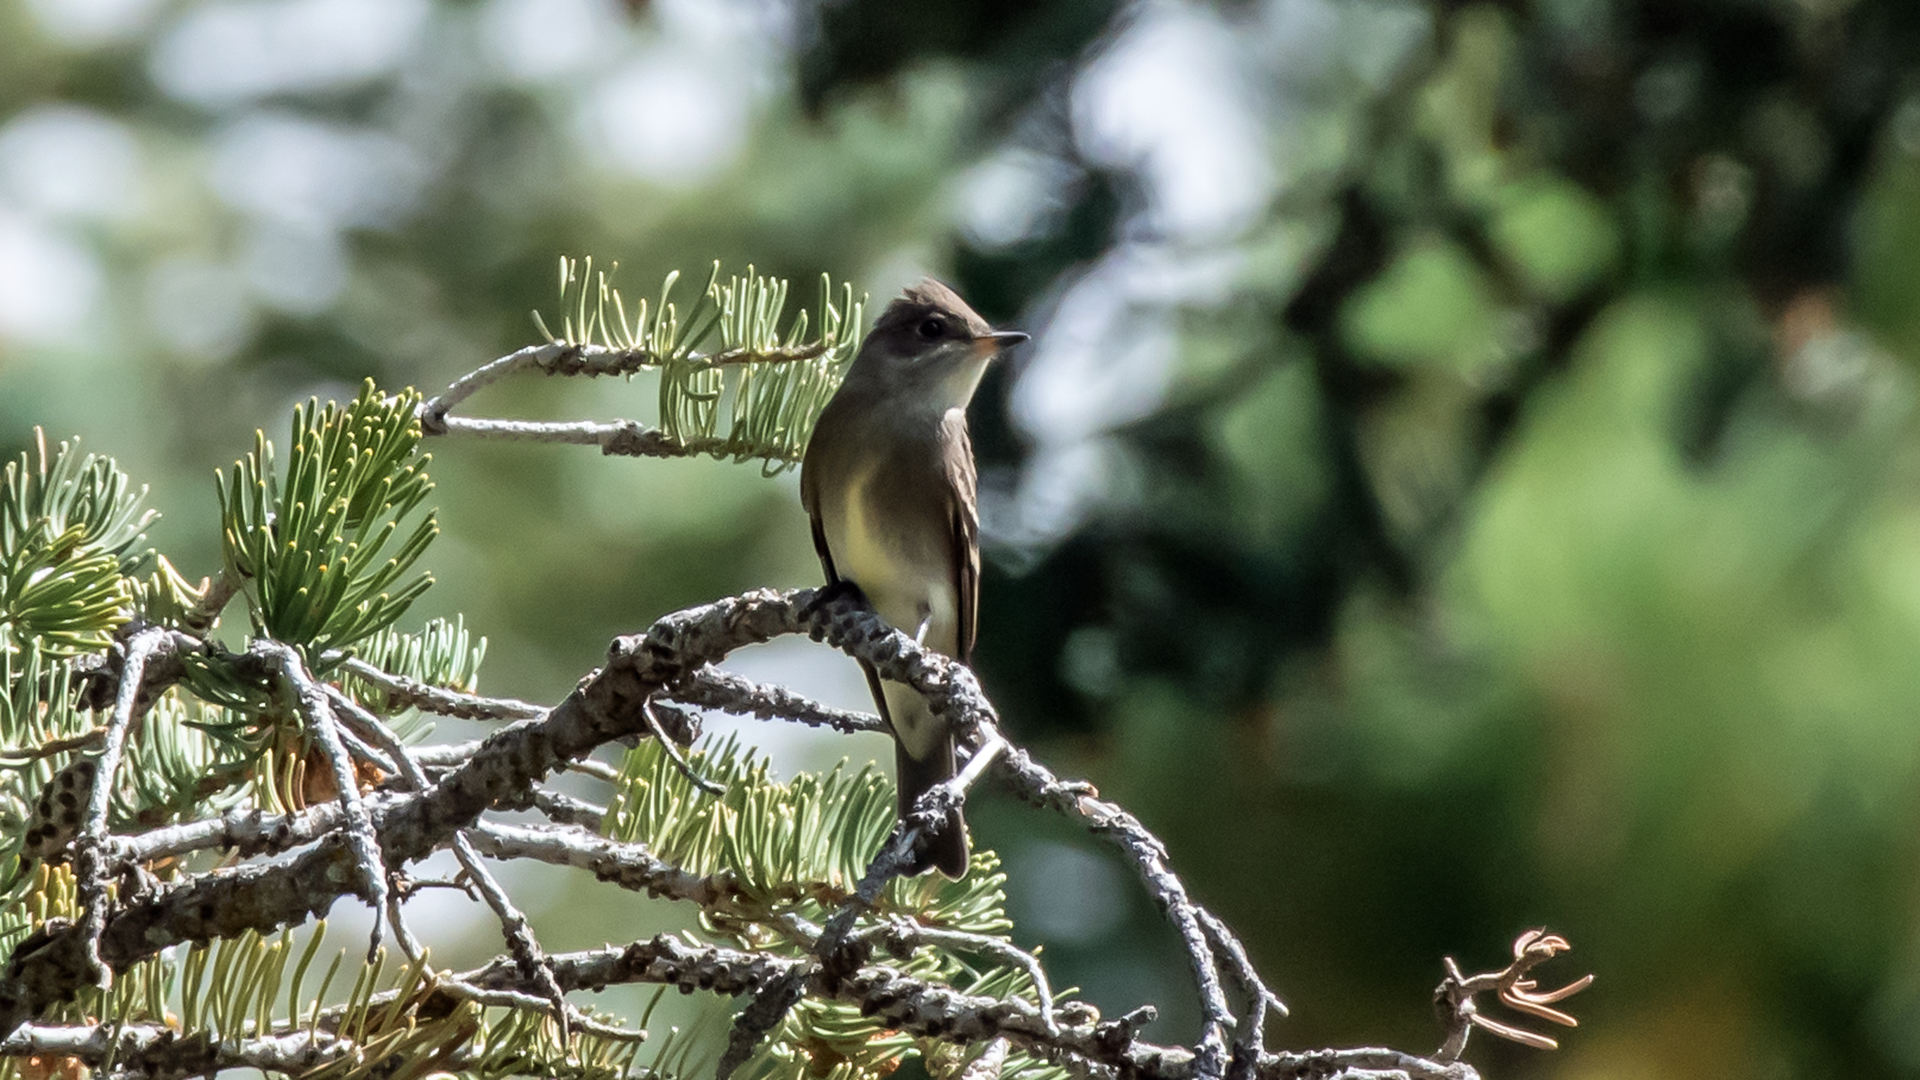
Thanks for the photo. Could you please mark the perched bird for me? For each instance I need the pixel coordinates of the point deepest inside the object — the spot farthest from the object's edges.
(888, 479)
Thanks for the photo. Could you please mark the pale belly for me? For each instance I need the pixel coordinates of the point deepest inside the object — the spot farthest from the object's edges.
(905, 576)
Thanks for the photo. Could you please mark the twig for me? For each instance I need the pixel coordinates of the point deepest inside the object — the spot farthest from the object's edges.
(1251, 1037)
(358, 748)
(1454, 997)
(161, 1051)
(247, 832)
(416, 778)
(713, 688)
(599, 770)
(570, 358)
(519, 934)
(513, 925)
(546, 356)
(900, 937)
(1239, 964)
(89, 855)
(622, 438)
(672, 751)
(1039, 786)
(438, 699)
(85, 740)
(370, 727)
(567, 810)
(629, 866)
(361, 838)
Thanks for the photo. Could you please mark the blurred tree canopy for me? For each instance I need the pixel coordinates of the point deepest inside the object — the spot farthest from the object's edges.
(1464, 477)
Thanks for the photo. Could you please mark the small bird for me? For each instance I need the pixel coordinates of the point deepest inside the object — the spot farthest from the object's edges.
(888, 480)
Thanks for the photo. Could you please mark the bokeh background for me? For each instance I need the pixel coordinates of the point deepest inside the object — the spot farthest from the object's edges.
(1466, 477)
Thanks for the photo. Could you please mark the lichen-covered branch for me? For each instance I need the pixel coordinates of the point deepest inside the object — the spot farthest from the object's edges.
(442, 793)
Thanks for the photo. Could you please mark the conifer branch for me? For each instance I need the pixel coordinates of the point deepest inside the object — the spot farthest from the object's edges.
(604, 708)
(672, 661)
(362, 840)
(782, 377)
(525, 949)
(932, 1010)
(567, 810)
(900, 937)
(162, 1051)
(713, 688)
(403, 691)
(89, 866)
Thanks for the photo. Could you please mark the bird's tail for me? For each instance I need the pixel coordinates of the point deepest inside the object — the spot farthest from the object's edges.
(946, 850)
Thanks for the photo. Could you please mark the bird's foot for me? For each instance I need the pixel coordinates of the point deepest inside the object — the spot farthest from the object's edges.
(833, 592)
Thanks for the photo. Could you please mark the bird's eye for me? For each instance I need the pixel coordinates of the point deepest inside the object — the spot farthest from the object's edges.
(933, 328)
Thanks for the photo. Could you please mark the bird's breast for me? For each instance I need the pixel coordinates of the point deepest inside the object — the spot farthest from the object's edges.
(898, 560)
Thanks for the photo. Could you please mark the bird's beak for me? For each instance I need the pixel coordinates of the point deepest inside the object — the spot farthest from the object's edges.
(998, 340)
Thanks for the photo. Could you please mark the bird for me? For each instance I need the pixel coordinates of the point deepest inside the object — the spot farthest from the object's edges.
(888, 481)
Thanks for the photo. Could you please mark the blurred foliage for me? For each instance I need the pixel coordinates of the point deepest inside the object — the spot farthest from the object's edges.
(1463, 479)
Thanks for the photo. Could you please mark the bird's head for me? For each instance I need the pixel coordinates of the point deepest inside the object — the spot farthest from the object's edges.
(929, 347)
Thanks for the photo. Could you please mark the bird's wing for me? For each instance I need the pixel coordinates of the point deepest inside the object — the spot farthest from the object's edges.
(963, 512)
(810, 501)
(820, 548)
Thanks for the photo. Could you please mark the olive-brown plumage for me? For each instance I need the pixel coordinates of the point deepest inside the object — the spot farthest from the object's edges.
(888, 480)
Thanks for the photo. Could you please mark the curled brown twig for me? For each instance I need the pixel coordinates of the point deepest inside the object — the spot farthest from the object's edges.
(1455, 997)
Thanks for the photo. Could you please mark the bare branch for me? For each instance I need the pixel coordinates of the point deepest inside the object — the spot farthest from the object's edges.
(89, 862)
(439, 700)
(901, 937)
(362, 839)
(625, 438)
(630, 866)
(514, 927)
(931, 1010)
(1036, 784)
(162, 1052)
(651, 711)
(712, 688)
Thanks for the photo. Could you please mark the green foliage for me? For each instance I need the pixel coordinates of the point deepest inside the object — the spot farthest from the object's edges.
(441, 653)
(830, 1040)
(250, 986)
(164, 597)
(782, 378)
(1431, 306)
(800, 848)
(69, 527)
(35, 708)
(315, 554)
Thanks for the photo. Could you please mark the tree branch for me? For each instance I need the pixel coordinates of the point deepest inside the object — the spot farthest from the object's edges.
(672, 660)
